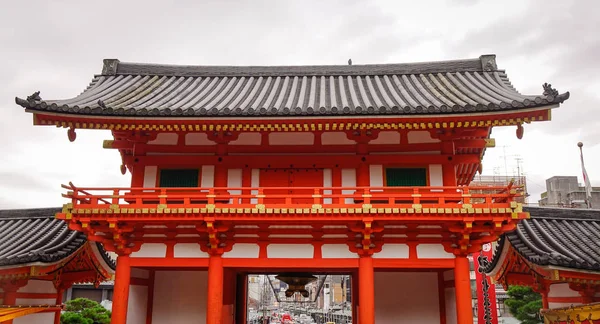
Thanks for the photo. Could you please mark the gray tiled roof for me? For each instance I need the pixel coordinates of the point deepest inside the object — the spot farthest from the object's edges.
(557, 236)
(35, 235)
(132, 89)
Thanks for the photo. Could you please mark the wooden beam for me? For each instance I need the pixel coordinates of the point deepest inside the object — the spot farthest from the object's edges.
(304, 161)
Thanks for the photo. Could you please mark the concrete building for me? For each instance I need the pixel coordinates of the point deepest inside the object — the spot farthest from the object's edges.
(565, 191)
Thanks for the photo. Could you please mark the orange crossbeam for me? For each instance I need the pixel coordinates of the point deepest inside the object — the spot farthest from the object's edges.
(8, 312)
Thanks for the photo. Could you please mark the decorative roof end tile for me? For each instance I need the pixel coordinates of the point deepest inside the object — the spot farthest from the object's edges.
(110, 66)
(488, 62)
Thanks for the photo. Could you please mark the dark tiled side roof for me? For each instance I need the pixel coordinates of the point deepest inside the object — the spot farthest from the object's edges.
(556, 236)
(35, 235)
(112, 263)
(132, 89)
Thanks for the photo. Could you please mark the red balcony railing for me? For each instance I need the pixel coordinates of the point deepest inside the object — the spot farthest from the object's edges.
(294, 197)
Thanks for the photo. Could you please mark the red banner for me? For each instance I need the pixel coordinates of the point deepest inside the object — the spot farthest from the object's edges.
(486, 291)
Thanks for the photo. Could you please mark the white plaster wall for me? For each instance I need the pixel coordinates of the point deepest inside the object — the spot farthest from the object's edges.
(562, 290)
(332, 251)
(234, 180)
(392, 251)
(35, 301)
(151, 250)
(207, 176)
(40, 318)
(335, 138)
(165, 139)
(327, 182)
(376, 175)
(291, 138)
(348, 180)
(436, 177)
(406, 297)
(242, 250)
(254, 183)
(387, 137)
(198, 139)
(296, 251)
(38, 286)
(180, 297)
(138, 302)
(188, 250)
(247, 139)
(150, 173)
(450, 305)
(140, 273)
(433, 251)
(420, 137)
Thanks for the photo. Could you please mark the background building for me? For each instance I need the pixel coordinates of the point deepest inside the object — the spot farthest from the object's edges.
(565, 191)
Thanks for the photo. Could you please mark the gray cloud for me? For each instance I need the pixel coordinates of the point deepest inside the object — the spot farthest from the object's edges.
(57, 47)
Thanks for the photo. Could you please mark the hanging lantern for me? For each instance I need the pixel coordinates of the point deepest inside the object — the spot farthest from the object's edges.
(296, 283)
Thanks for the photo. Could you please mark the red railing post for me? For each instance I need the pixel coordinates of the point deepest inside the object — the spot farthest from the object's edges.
(115, 197)
(211, 196)
(317, 197)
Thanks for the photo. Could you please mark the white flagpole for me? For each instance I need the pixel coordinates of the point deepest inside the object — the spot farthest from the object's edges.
(586, 179)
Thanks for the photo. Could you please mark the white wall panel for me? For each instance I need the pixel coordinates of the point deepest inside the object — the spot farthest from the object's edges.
(207, 176)
(392, 251)
(296, 251)
(451, 305)
(291, 138)
(420, 137)
(562, 290)
(332, 251)
(247, 139)
(198, 139)
(188, 250)
(242, 250)
(335, 138)
(406, 297)
(436, 177)
(387, 137)
(151, 250)
(327, 182)
(180, 297)
(234, 180)
(150, 173)
(433, 251)
(348, 180)
(165, 139)
(137, 305)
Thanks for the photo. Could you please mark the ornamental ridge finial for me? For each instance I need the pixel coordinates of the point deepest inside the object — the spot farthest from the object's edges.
(110, 66)
(549, 91)
(34, 97)
(488, 62)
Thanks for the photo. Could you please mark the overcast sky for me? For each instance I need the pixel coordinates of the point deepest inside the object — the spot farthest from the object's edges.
(57, 46)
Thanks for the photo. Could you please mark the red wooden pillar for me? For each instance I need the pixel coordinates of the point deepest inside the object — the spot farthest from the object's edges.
(59, 298)
(150, 301)
(355, 294)
(462, 285)
(545, 299)
(442, 297)
(214, 308)
(366, 283)
(10, 298)
(449, 175)
(363, 178)
(121, 290)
